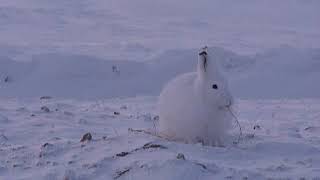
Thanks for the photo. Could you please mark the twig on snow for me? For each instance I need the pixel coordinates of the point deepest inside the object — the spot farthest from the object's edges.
(238, 123)
(144, 147)
(121, 172)
(147, 132)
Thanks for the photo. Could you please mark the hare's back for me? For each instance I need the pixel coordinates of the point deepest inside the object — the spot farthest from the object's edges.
(180, 85)
(176, 105)
(177, 93)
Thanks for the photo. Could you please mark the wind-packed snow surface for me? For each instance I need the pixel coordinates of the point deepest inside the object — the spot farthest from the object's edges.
(73, 67)
(281, 140)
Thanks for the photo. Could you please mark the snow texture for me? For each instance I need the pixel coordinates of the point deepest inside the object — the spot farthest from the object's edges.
(280, 141)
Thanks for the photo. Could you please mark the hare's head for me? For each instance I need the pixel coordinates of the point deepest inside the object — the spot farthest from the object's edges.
(214, 88)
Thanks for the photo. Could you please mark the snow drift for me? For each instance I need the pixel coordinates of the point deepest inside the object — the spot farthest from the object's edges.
(283, 72)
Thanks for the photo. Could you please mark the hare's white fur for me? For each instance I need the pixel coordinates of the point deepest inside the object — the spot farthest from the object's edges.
(191, 109)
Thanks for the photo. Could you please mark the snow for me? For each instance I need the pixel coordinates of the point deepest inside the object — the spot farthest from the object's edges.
(284, 144)
(99, 66)
(283, 72)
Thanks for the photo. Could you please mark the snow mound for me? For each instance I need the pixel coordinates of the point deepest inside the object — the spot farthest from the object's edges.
(283, 72)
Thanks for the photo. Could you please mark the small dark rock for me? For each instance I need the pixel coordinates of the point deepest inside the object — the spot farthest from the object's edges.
(116, 113)
(150, 145)
(86, 137)
(181, 156)
(70, 162)
(45, 97)
(32, 115)
(122, 154)
(16, 165)
(134, 130)
(45, 109)
(256, 127)
(7, 79)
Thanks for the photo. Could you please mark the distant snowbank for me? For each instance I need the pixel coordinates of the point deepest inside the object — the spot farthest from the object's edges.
(283, 72)
(127, 29)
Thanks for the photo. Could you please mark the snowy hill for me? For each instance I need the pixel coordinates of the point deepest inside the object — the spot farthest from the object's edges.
(132, 30)
(284, 72)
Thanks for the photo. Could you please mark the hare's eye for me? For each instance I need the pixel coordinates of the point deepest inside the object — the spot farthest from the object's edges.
(214, 86)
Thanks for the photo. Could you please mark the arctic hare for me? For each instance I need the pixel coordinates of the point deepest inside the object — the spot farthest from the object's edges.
(193, 106)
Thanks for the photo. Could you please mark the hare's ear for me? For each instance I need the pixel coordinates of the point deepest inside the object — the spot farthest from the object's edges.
(203, 58)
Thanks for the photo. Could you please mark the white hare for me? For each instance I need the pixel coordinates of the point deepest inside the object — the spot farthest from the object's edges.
(193, 106)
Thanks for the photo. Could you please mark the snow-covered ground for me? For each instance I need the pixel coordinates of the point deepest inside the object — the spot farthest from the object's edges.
(100, 65)
(281, 140)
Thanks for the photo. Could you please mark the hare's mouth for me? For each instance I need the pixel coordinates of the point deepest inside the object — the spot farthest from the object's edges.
(204, 55)
(227, 106)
